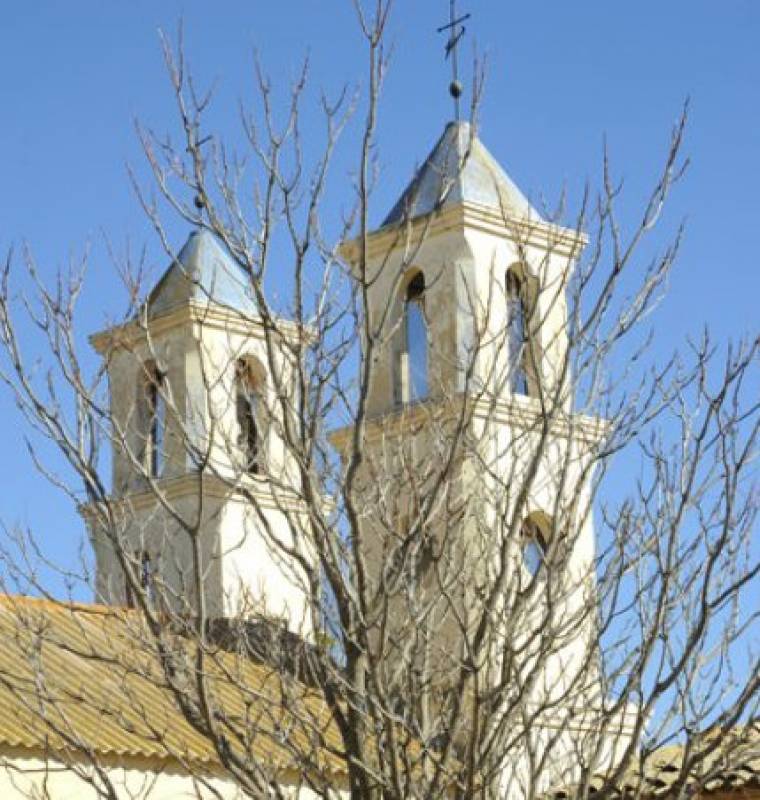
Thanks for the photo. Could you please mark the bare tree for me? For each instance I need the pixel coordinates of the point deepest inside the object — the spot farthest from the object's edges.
(443, 618)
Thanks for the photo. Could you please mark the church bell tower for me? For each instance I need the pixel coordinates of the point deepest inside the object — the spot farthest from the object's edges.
(466, 285)
(204, 490)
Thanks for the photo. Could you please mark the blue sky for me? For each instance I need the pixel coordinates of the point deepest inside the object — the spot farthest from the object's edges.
(74, 77)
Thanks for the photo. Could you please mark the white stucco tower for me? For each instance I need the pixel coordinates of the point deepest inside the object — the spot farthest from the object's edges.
(467, 298)
(202, 480)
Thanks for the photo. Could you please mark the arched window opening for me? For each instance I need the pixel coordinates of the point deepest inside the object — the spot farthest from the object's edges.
(534, 545)
(146, 577)
(248, 412)
(517, 332)
(413, 553)
(415, 341)
(155, 405)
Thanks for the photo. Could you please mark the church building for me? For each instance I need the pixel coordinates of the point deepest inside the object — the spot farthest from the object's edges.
(467, 287)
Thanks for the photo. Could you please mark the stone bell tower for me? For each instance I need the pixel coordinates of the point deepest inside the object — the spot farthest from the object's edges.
(203, 484)
(467, 301)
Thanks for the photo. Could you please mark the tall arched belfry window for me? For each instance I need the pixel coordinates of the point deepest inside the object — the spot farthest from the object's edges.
(146, 575)
(155, 407)
(415, 340)
(248, 412)
(534, 545)
(517, 331)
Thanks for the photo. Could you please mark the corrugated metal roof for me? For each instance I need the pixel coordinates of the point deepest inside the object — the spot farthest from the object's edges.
(204, 272)
(460, 170)
(86, 676)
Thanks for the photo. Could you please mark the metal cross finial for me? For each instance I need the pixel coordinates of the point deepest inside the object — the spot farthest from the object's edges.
(456, 32)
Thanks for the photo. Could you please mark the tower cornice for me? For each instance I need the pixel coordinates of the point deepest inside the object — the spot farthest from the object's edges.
(468, 216)
(216, 317)
(518, 411)
(169, 490)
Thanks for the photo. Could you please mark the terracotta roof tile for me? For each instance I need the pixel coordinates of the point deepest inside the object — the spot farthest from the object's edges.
(719, 761)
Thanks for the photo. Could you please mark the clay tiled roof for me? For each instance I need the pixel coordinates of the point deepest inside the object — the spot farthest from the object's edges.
(78, 678)
(720, 764)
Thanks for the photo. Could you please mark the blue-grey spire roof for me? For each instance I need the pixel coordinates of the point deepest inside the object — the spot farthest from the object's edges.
(204, 272)
(460, 170)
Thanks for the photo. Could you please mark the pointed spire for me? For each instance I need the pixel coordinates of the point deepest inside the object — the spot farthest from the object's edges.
(203, 273)
(460, 170)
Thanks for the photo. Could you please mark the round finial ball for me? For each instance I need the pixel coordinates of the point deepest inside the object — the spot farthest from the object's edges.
(455, 89)
(199, 202)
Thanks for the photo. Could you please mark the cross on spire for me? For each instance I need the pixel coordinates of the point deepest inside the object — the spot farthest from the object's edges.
(456, 31)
